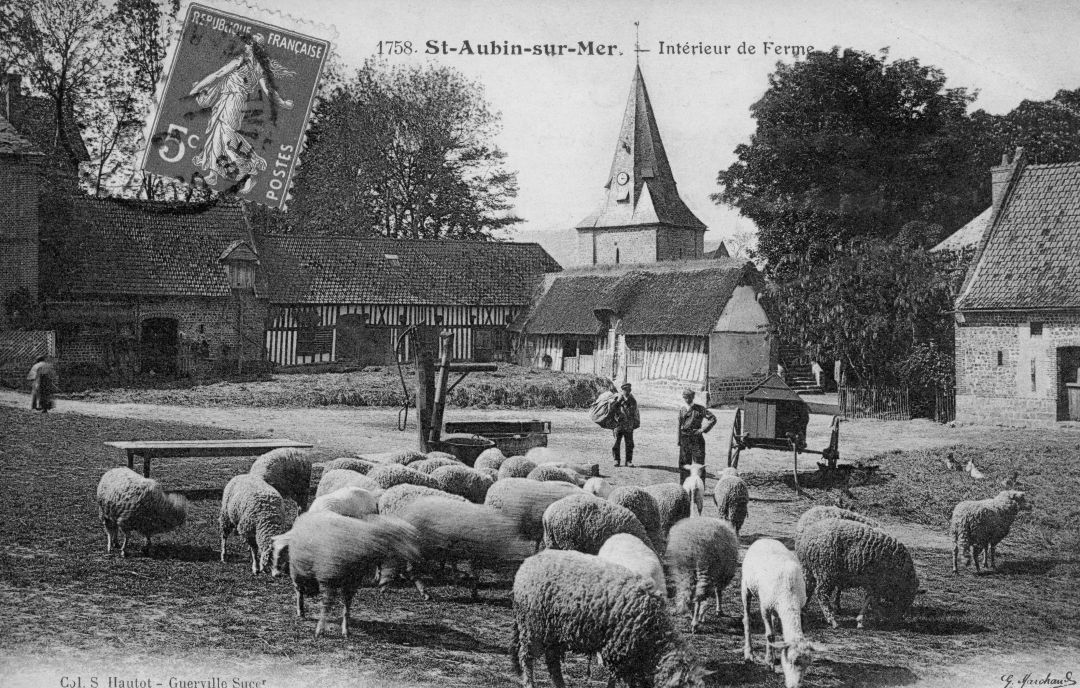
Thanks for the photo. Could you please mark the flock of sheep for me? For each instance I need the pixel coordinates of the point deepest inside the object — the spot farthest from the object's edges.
(593, 565)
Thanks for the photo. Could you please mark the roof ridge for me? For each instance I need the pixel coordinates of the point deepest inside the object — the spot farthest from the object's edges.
(335, 237)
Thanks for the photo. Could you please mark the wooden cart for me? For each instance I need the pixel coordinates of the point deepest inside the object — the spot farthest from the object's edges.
(771, 416)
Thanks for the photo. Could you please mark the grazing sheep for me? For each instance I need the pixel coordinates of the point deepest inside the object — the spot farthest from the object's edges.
(399, 496)
(355, 502)
(597, 487)
(702, 555)
(731, 496)
(491, 457)
(584, 523)
(403, 457)
(390, 474)
(525, 500)
(818, 513)
(547, 471)
(839, 553)
(626, 550)
(129, 502)
(334, 480)
(642, 504)
(453, 531)
(427, 466)
(516, 467)
(578, 602)
(462, 480)
(771, 572)
(350, 463)
(694, 487)
(442, 455)
(332, 554)
(672, 501)
(255, 510)
(489, 472)
(978, 526)
(288, 471)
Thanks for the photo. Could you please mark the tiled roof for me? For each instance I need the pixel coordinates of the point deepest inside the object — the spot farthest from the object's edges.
(967, 236)
(1030, 255)
(14, 143)
(129, 248)
(667, 298)
(326, 269)
(649, 195)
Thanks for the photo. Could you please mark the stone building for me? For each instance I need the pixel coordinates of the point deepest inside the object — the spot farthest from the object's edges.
(1018, 312)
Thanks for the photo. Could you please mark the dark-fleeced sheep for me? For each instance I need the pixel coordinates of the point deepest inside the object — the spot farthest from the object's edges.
(978, 526)
(702, 556)
(129, 502)
(288, 471)
(390, 474)
(583, 522)
(644, 507)
(731, 496)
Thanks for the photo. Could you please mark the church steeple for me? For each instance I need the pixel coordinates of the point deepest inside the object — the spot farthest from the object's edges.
(640, 190)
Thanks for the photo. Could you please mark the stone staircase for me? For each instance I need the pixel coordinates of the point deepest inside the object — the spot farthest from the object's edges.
(801, 380)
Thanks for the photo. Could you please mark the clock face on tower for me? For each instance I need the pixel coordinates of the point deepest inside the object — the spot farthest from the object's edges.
(623, 178)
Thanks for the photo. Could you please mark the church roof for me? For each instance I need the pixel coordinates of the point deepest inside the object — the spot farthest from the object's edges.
(647, 194)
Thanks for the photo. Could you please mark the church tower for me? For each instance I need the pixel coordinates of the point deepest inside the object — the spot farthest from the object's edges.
(642, 219)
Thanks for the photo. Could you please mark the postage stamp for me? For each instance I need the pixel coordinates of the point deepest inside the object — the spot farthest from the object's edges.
(235, 105)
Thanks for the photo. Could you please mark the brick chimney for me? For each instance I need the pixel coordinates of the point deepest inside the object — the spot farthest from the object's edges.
(1000, 175)
(12, 87)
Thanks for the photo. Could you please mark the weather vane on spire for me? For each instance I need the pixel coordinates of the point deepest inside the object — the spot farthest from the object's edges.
(637, 45)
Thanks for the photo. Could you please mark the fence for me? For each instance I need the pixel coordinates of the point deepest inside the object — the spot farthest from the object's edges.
(19, 349)
(944, 410)
(879, 403)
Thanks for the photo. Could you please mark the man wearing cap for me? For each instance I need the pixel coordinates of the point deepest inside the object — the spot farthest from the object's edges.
(627, 420)
(694, 421)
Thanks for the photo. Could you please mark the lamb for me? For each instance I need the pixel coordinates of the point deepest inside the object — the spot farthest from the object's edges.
(702, 555)
(399, 496)
(350, 463)
(694, 486)
(355, 502)
(256, 511)
(547, 471)
(672, 501)
(581, 603)
(525, 501)
(129, 502)
(332, 554)
(839, 553)
(452, 531)
(626, 550)
(978, 526)
(288, 471)
(427, 466)
(818, 513)
(771, 572)
(335, 479)
(390, 474)
(597, 487)
(516, 467)
(584, 523)
(489, 458)
(731, 496)
(642, 504)
(462, 480)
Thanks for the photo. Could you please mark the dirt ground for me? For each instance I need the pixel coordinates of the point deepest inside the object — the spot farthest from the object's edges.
(950, 644)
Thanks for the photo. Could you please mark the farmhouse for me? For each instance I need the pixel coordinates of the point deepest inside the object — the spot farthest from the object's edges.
(347, 299)
(1018, 313)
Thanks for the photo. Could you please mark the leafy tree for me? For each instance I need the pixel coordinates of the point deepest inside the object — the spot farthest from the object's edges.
(849, 144)
(405, 152)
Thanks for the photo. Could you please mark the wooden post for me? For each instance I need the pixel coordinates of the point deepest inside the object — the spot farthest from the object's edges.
(446, 341)
(425, 347)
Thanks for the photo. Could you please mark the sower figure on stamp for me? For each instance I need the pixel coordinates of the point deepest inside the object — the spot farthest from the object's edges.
(694, 421)
(627, 420)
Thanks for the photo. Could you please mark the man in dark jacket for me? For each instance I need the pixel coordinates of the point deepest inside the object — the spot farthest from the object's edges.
(694, 421)
(627, 420)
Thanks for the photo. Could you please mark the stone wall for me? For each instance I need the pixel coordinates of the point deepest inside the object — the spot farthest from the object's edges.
(731, 390)
(674, 243)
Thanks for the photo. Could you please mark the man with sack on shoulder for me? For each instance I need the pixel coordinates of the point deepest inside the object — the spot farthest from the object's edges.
(627, 420)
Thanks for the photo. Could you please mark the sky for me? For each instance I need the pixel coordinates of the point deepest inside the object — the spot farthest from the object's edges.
(561, 115)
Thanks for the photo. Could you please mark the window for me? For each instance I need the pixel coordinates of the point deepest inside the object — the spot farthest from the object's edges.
(1033, 375)
(1036, 329)
(616, 255)
(569, 348)
(585, 347)
(1001, 358)
(314, 341)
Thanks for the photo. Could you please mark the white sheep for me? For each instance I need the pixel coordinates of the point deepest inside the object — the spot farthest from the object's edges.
(441, 455)
(390, 474)
(570, 601)
(333, 554)
(672, 501)
(626, 550)
(401, 456)
(129, 502)
(731, 496)
(771, 572)
(334, 480)
(525, 501)
(288, 471)
(490, 458)
(547, 471)
(643, 506)
(462, 480)
(584, 523)
(516, 467)
(818, 513)
(399, 496)
(840, 553)
(978, 526)
(256, 512)
(694, 486)
(702, 555)
(597, 487)
(350, 463)
(355, 502)
(428, 466)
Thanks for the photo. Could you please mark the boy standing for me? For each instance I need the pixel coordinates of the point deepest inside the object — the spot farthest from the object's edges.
(694, 421)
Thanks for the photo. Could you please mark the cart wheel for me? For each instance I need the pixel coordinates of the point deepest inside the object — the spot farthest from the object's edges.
(795, 467)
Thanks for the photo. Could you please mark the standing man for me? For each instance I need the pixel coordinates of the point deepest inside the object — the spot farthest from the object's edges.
(627, 420)
(694, 421)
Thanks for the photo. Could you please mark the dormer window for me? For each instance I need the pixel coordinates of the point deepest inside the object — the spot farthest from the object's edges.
(240, 261)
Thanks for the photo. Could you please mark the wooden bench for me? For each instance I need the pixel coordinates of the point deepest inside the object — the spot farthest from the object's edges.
(192, 448)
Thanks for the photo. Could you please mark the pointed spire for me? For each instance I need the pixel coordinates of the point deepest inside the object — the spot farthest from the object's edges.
(640, 160)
